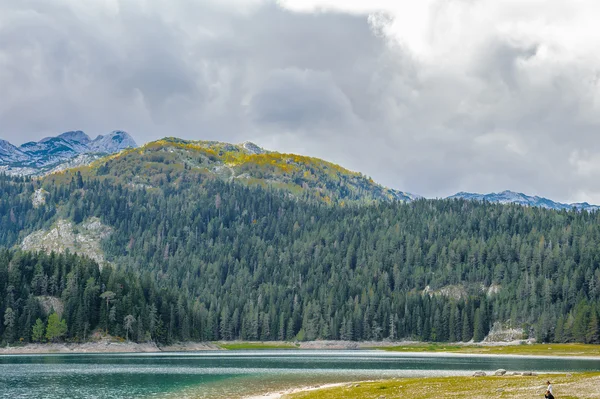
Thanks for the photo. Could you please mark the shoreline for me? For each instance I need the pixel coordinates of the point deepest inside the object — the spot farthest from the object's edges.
(508, 386)
(290, 391)
(106, 346)
(406, 348)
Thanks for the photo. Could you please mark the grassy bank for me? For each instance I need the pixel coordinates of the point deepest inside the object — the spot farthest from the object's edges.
(255, 345)
(580, 385)
(534, 349)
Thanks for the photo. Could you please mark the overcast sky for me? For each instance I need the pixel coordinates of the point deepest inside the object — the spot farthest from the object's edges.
(428, 96)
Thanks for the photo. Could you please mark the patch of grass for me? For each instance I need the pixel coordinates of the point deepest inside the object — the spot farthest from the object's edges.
(425, 347)
(255, 345)
(534, 349)
(584, 385)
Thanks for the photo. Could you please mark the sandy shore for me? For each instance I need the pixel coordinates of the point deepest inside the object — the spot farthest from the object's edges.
(106, 346)
(281, 394)
(350, 345)
(112, 345)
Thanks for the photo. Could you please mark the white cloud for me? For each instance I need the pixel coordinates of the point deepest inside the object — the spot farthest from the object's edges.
(430, 96)
(454, 28)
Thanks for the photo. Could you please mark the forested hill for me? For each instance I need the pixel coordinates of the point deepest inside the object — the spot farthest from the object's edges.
(176, 163)
(217, 259)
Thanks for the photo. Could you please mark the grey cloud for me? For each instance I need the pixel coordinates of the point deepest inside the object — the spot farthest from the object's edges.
(298, 99)
(500, 59)
(326, 84)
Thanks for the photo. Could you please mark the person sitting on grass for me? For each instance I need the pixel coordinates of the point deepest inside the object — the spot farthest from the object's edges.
(549, 394)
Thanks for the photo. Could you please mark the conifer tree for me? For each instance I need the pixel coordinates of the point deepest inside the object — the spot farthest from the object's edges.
(9, 322)
(593, 332)
(37, 334)
(56, 328)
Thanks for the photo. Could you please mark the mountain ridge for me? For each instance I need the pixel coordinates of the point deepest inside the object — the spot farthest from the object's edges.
(75, 148)
(177, 162)
(50, 153)
(512, 197)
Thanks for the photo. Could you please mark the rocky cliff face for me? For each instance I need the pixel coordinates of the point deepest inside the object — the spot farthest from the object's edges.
(83, 239)
(504, 333)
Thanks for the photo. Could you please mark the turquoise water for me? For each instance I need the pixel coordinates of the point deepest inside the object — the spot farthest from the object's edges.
(234, 374)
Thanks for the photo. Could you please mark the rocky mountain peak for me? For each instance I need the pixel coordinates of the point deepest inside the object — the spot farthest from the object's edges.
(76, 135)
(253, 148)
(113, 142)
(51, 153)
(512, 197)
(10, 153)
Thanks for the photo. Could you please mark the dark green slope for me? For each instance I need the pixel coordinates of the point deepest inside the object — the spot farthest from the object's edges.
(223, 260)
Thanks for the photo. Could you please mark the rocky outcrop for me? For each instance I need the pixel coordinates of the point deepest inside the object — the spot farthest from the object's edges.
(529, 374)
(50, 304)
(83, 239)
(253, 148)
(38, 198)
(504, 333)
(449, 291)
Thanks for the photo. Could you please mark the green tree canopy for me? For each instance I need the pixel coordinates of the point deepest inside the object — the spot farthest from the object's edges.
(56, 329)
(37, 334)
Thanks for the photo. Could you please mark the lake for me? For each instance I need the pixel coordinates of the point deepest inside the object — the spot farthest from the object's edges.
(234, 374)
